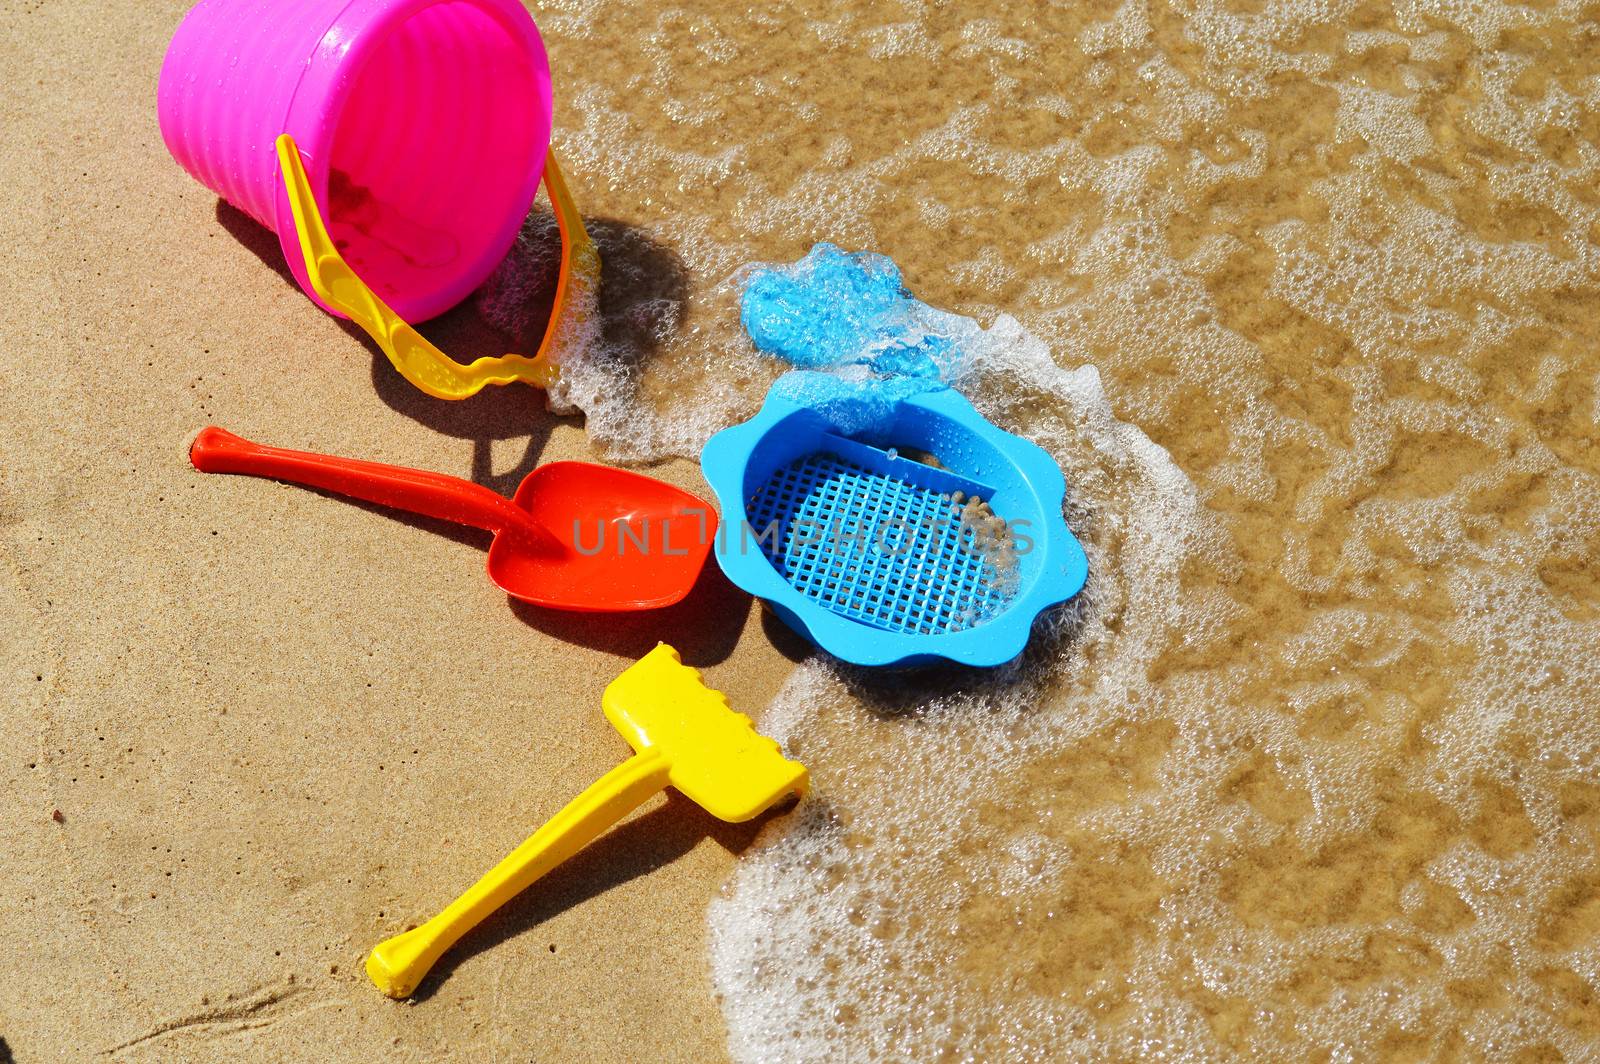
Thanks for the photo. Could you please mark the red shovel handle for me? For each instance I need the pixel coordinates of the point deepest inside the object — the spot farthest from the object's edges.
(415, 490)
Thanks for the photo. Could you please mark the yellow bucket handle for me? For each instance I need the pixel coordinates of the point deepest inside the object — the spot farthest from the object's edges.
(419, 361)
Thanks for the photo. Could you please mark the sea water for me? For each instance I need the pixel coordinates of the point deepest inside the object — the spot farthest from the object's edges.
(1304, 299)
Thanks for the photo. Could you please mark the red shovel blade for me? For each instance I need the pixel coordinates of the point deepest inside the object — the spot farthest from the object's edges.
(630, 542)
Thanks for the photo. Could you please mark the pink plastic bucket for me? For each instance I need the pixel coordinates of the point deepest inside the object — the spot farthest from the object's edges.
(423, 123)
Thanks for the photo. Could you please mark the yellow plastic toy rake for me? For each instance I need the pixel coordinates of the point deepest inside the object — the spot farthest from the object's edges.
(419, 361)
(683, 734)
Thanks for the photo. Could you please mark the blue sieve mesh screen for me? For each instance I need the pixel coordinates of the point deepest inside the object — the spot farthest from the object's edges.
(873, 548)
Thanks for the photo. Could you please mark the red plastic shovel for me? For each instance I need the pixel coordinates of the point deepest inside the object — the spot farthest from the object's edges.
(577, 536)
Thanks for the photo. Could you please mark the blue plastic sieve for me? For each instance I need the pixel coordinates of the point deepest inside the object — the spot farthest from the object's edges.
(876, 557)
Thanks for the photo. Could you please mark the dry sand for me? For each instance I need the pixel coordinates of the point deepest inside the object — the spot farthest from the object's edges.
(277, 726)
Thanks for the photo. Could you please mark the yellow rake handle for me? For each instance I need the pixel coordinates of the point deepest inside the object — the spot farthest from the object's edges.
(419, 361)
(398, 964)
